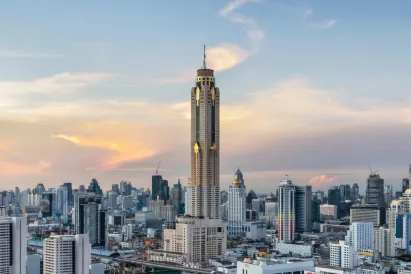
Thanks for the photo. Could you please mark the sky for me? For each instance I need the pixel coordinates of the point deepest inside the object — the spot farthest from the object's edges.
(318, 90)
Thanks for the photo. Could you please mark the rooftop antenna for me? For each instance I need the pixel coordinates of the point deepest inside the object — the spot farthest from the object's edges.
(204, 58)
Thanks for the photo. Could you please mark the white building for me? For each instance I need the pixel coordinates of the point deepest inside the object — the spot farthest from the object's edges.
(343, 255)
(295, 266)
(396, 209)
(254, 230)
(384, 241)
(294, 249)
(361, 236)
(13, 245)
(286, 211)
(236, 205)
(66, 254)
(187, 198)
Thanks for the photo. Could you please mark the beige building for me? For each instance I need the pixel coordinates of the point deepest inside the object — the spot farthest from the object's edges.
(384, 241)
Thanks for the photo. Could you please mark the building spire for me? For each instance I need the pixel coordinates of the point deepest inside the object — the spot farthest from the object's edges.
(204, 58)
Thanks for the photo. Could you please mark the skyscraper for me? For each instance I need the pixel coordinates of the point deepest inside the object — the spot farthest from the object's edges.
(13, 245)
(303, 211)
(176, 196)
(203, 235)
(70, 196)
(94, 187)
(236, 205)
(334, 198)
(286, 211)
(61, 203)
(67, 254)
(355, 192)
(405, 184)
(375, 190)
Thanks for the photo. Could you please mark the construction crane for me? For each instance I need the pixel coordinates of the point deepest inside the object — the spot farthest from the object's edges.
(158, 167)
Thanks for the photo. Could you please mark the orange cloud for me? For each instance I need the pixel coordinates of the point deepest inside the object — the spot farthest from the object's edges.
(123, 150)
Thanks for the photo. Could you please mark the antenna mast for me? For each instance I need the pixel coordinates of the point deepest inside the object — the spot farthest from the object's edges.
(204, 58)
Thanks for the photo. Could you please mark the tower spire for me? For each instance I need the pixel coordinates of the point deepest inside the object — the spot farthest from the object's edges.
(204, 58)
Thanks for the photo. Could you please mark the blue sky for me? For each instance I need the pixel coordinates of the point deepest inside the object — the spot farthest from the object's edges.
(101, 88)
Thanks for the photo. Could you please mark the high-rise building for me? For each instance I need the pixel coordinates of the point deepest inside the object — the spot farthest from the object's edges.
(361, 235)
(396, 209)
(13, 245)
(176, 194)
(115, 188)
(345, 191)
(112, 199)
(70, 195)
(187, 199)
(17, 195)
(384, 241)
(315, 210)
(343, 255)
(67, 254)
(250, 197)
(405, 184)
(156, 186)
(286, 211)
(334, 198)
(203, 235)
(86, 215)
(368, 213)
(223, 197)
(236, 205)
(47, 204)
(355, 193)
(375, 190)
(303, 204)
(387, 196)
(94, 187)
(61, 203)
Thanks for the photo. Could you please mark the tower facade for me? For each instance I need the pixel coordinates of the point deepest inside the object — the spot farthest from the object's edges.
(202, 234)
(375, 190)
(205, 145)
(236, 205)
(286, 211)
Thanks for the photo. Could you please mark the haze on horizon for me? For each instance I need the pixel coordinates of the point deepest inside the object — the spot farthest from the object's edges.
(97, 89)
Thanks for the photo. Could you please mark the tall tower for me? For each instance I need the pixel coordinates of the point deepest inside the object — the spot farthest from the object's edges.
(201, 234)
(286, 210)
(205, 145)
(236, 205)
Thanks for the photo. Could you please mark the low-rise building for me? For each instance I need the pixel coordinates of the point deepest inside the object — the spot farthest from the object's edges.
(295, 249)
(260, 266)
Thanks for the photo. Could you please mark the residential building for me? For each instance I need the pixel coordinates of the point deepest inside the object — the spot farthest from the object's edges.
(343, 255)
(13, 245)
(384, 241)
(286, 210)
(360, 235)
(66, 254)
(368, 213)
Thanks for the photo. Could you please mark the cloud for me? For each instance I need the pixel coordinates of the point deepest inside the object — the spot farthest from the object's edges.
(323, 181)
(253, 30)
(12, 169)
(326, 24)
(308, 12)
(225, 56)
(27, 54)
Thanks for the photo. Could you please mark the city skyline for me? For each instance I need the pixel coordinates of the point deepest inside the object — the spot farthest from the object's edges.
(305, 94)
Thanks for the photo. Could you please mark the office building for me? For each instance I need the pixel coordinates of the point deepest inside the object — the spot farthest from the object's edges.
(47, 204)
(236, 205)
(94, 187)
(66, 254)
(13, 245)
(355, 193)
(250, 197)
(176, 196)
(343, 255)
(328, 212)
(70, 194)
(403, 233)
(303, 212)
(375, 190)
(384, 241)
(223, 197)
(112, 199)
(345, 191)
(271, 213)
(187, 199)
(360, 235)
(286, 211)
(405, 184)
(368, 213)
(334, 198)
(387, 196)
(203, 234)
(61, 204)
(315, 210)
(86, 216)
(34, 264)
